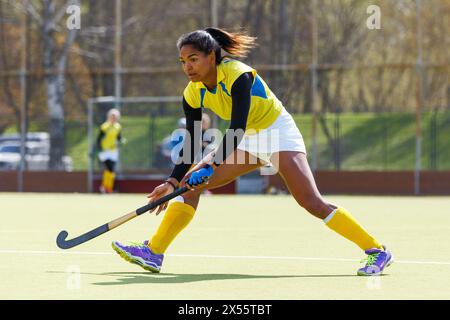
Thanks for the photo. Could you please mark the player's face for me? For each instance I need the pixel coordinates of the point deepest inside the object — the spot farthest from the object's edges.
(196, 64)
(112, 118)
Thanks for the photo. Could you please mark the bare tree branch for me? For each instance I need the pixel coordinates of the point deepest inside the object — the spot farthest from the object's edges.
(62, 12)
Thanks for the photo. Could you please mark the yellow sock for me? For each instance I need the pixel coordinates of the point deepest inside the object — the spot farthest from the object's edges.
(176, 218)
(105, 179)
(112, 176)
(342, 222)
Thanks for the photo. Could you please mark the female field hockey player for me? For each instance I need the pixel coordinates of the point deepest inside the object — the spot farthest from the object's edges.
(234, 91)
(108, 137)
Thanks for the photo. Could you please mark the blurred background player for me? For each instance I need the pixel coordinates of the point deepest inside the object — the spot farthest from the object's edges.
(169, 143)
(176, 138)
(107, 142)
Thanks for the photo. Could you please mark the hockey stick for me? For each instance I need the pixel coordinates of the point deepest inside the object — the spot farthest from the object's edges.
(66, 244)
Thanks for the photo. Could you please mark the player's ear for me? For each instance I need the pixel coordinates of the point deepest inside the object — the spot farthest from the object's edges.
(212, 57)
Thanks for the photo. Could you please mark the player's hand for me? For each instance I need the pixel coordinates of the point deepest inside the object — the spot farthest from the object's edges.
(159, 192)
(199, 177)
(206, 161)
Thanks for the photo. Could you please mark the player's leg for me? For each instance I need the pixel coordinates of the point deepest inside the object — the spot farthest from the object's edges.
(180, 212)
(111, 165)
(108, 176)
(105, 179)
(295, 171)
(237, 164)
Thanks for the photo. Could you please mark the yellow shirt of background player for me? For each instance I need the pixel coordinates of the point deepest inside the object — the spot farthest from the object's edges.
(264, 108)
(111, 131)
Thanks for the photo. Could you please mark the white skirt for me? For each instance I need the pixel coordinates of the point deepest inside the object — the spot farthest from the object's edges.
(282, 135)
(112, 155)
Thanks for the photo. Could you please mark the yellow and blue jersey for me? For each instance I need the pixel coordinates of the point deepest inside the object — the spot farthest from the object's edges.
(264, 108)
(109, 133)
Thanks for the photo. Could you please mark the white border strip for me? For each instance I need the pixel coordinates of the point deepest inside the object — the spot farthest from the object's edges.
(98, 253)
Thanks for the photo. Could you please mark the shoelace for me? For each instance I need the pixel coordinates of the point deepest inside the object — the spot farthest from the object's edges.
(136, 244)
(140, 245)
(371, 258)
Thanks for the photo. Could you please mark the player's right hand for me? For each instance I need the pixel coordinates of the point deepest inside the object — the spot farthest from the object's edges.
(159, 192)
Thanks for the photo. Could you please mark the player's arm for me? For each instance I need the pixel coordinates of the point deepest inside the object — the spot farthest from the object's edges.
(121, 139)
(192, 145)
(192, 116)
(100, 136)
(241, 100)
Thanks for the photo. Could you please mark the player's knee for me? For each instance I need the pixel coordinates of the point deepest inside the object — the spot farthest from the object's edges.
(191, 198)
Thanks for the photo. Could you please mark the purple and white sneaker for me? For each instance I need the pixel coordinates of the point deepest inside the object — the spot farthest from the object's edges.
(377, 260)
(140, 254)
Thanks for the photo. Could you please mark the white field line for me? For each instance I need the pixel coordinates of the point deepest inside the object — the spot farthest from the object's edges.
(94, 253)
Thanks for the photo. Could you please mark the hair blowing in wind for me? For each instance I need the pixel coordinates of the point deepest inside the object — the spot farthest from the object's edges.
(237, 44)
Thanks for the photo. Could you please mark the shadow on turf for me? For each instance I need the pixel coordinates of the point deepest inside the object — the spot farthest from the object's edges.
(146, 277)
(141, 277)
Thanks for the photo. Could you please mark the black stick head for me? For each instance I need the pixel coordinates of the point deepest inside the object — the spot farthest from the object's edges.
(61, 240)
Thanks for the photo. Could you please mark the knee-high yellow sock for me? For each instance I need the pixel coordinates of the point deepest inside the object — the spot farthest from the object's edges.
(112, 176)
(342, 222)
(176, 218)
(105, 178)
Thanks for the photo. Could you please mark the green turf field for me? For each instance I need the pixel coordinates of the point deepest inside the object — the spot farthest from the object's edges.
(238, 247)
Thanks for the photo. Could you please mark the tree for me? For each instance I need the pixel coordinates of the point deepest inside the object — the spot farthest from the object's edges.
(9, 29)
(55, 59)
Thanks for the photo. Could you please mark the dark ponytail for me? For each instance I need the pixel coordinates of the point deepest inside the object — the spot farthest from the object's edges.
(214, 39)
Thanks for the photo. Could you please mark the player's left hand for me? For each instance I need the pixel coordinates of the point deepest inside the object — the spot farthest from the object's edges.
(200, 177)
(159, 192)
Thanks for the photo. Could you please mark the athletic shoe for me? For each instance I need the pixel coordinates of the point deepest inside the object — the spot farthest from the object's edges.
(140, 254)
(376, 261)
